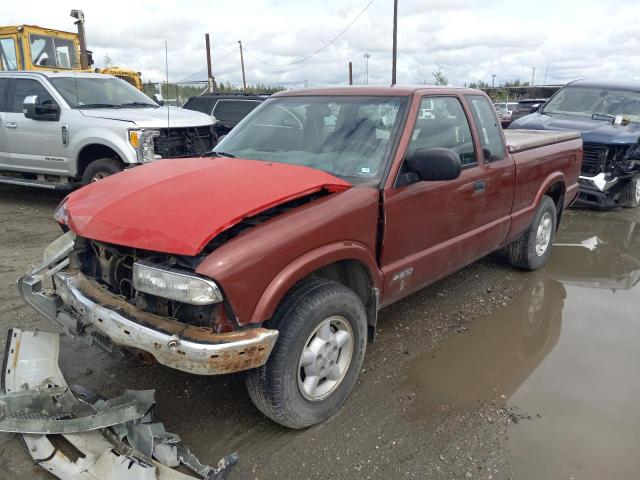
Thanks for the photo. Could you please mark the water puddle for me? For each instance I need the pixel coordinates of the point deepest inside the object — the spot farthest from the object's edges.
(566, 352)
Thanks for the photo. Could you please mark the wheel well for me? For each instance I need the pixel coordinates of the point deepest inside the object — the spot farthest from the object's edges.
(556, 193)
(94, 152)
(356, 276)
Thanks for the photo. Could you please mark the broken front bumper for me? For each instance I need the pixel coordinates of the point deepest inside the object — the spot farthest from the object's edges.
(82, 307)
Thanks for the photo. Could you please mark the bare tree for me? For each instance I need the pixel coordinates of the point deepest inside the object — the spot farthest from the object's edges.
(439, 77)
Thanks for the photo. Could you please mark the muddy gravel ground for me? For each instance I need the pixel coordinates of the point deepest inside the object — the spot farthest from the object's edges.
(437, 397)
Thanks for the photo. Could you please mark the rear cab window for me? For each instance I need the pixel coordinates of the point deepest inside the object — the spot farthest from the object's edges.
(232, 111)
(4, 91)
(489, 128)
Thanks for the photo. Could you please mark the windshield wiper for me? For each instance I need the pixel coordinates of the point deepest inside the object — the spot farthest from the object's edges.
(603, 116)
(213, 153)
(138, 104)
(99, 105)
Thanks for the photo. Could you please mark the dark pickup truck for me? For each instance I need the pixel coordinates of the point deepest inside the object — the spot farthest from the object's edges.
(275, 253)
(607, 114)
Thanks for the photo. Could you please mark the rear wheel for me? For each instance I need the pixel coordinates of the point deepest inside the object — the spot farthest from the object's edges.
(317, 358)
(630, 197)
(532, 249)
(99, 169)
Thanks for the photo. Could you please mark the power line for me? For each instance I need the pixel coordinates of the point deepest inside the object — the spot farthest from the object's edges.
(304, 59)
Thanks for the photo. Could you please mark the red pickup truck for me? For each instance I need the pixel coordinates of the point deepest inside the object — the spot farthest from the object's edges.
(274, 253)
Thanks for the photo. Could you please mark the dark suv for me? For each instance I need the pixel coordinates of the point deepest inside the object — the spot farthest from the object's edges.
(607, 115)
(227, 109)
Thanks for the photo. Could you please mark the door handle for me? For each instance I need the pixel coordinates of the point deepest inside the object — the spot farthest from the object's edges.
(479, 187)
(11, 125)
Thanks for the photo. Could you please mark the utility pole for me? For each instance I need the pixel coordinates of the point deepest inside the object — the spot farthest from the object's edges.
(350, 73)
(209, 70)
(395, 42)
(533, 75)
(493, 80)
(366, 68)
(544, 82)
(244, 79)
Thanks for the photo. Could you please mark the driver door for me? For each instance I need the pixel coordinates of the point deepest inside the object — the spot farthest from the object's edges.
(429, 225)
(34, 145)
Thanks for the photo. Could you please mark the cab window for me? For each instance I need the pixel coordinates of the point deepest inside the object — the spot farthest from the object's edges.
(442, 123)
(49, 51)
(233, 111)
(488, 127)
(8, 55)
(25, 87)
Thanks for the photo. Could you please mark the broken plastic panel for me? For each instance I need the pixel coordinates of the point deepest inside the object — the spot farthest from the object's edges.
(36, 397)
(77, 435)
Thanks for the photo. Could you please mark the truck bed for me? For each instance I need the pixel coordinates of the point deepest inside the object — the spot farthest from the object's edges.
(519, 140)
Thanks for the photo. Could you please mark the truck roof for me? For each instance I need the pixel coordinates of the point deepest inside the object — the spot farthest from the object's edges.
(65, 73)
(375, 91)
(615, 84)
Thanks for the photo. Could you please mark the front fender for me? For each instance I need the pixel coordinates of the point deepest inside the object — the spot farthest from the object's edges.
(104, 137)
(307, 264)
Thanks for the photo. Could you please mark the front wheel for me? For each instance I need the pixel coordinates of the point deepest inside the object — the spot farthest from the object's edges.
(532, 249)
(630, 197)
(317, 358)
(99, 169)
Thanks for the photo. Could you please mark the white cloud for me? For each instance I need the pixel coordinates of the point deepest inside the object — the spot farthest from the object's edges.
(470, 39)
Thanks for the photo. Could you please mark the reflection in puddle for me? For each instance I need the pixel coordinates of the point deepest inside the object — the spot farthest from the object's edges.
(597, 251)
(567, 348)
(497, 353)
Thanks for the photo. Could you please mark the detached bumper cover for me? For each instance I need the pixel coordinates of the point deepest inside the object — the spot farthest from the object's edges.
(82, 307)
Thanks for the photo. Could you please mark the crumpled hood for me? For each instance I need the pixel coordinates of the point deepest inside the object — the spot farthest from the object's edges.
(592, 131)
(151, 117)
(178, 206)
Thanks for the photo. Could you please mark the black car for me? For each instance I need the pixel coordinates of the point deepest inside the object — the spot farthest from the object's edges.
(227, 109)
(607, 115)
(525, 105)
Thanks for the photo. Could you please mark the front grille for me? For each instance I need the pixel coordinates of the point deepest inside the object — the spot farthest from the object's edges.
(112, 266)
(183, 142)
(594, 158)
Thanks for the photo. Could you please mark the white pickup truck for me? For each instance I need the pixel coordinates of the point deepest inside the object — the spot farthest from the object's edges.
(59, 130)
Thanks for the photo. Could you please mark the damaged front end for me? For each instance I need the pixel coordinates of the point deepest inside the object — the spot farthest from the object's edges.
(89, 290)
(606, 172)
(76, 435)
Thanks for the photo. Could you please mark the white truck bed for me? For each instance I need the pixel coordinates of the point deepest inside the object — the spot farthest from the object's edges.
(519, 140)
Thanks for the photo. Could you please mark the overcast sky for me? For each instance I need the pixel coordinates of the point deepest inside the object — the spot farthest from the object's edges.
(470, 39)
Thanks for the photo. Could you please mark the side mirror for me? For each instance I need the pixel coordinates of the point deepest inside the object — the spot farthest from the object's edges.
(158, 99)
(433, 164)
(534, 108)
(32, 108)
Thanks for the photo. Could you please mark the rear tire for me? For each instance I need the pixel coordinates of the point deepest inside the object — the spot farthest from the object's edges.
(317, 358)
(99, 169)
(630, 197)
(532, 249)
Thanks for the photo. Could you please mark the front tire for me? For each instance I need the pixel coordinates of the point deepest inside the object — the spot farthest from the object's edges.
(317, 358)
(533, 248)
(99, 169)
(630, 197)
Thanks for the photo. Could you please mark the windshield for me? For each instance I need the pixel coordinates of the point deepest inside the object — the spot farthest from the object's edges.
(587, 101)
(349, 137)
(99, 92)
